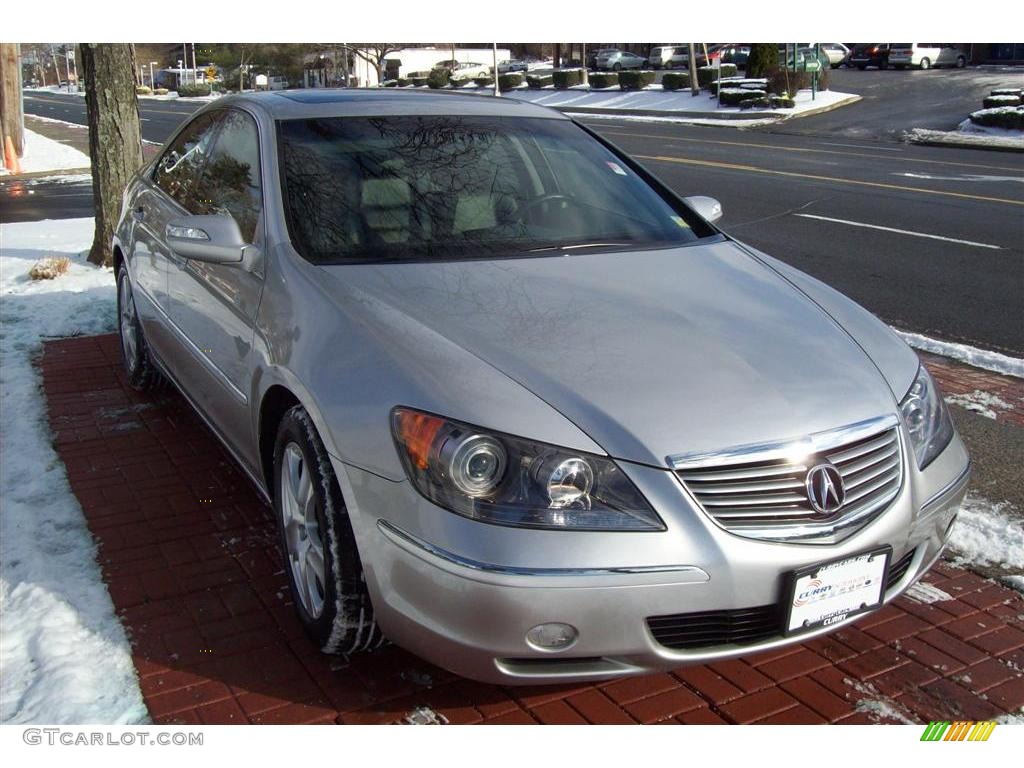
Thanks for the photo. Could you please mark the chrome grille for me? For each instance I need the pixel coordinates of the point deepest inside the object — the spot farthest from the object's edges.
(759, 492)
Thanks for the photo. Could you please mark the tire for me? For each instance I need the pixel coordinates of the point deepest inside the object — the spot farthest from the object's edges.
(139, 368)
(616, 67)
(862, 67)
(321, 560)
(961, 62)
(925, 63)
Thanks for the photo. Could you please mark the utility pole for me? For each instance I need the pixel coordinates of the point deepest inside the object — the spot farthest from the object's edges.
(12, 121)
(497, 89)
(694, 85)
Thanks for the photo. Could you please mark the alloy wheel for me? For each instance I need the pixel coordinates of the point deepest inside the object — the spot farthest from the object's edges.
(302, 530)
(129, 337)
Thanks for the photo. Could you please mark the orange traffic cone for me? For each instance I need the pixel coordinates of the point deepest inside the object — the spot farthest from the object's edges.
(10, 156)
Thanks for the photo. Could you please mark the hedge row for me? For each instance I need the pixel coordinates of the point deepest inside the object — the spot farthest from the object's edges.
(1000, 117)
(567, 78)
(1002, 100)
(707, 75)
(603, 79)
(484, 81)
(732, 97)
(772, 102)
(1007, 91)
(439, 77)
(539, 81)
(510, 80)
(674, 81)
(635, 79)
(193, 90)
(756, 84)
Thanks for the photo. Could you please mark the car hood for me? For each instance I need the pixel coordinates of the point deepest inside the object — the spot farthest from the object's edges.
(650, 353)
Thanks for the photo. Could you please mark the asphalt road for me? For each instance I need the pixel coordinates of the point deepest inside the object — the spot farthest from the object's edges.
(931, 239)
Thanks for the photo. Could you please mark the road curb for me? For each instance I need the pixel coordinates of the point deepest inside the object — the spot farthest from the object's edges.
(45, 174)
(954, 142)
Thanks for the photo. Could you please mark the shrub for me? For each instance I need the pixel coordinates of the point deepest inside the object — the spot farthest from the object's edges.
(143, 90)
(635, 80)
(674, 81)
(1000, 117)
(193, 90)
(160, 92)
(760, 101)
(603, 79)
(1007, 92)
(404, 81)
(418, 81)
(539, 81)
(1001, 100)
(49, 268)
(782, 101)
(484, 81)
(439, 78)
(389, 84)
(755, 84)
(764, 57)
(707, 75)
(510, 80)
(731, 97)
(567, 78)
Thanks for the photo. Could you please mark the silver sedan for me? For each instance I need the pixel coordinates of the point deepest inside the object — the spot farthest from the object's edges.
(518, 407)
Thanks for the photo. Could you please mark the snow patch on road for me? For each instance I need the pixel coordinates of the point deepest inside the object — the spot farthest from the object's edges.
(64, 655)
(44, 154)
(979, 358)
(964, 139)
(981, 402)
(986, 535)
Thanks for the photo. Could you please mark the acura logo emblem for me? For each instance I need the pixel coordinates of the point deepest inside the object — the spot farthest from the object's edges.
(825, 489)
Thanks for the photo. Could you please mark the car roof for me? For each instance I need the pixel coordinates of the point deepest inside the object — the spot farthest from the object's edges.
(371, 102)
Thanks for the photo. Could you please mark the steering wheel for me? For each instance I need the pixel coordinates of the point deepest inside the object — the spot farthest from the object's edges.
(522, 213)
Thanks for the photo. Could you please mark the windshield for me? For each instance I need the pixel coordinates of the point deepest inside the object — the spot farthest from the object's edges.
(451, 187)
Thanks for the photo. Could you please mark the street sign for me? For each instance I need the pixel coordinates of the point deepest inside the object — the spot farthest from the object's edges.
(811, 65)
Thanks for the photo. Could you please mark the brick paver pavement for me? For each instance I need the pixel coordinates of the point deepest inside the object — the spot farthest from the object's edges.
(190, 556)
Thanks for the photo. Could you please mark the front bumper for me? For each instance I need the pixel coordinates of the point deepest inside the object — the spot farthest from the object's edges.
(463, 594)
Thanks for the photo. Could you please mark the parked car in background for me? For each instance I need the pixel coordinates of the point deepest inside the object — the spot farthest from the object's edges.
(512, 65)
(592, 56)
(467, 70)
(661, 55)
(866, 55)
(681, 58)
(837, 53)
(730, 53)
(926, 55)
(366, 295)
(614, 59)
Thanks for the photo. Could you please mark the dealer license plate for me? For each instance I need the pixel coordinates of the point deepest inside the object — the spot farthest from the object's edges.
(828, 593)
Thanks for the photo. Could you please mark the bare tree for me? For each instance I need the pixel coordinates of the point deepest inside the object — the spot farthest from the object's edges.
(115, 139)
(374, 53)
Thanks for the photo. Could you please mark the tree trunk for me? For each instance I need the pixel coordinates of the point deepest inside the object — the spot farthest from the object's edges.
(12, 121)
(115, 141)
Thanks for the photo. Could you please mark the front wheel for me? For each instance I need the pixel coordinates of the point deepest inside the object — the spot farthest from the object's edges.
(321, 559)
(925, 64)
(961, 62)
(139, 369)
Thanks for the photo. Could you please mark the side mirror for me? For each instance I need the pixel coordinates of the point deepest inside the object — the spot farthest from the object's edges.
(214, 239)
(709, 208)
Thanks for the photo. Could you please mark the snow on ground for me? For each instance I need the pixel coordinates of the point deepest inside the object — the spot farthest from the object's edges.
(43, 154)
(986, 535)
(64, 655)
(671, 103)
(1007, 140)
(737, 123)
(979, 358)
(926, 593)
(981, 402)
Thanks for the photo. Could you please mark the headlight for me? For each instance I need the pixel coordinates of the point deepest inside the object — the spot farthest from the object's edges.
(497, 478)
(926, 418)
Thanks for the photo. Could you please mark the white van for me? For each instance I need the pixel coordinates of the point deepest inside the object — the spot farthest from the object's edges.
(926, 55)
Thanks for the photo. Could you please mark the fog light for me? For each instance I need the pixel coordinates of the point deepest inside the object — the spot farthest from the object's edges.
(552, 637)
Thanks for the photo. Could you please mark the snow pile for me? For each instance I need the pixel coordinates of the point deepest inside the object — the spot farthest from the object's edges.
(64, 656)
(985, 534)
(979, 358)
(976, 136)
(981, 402)
(926, 593)
(43, 154)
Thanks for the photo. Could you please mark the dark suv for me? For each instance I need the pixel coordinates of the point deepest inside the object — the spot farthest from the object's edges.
(866, 55)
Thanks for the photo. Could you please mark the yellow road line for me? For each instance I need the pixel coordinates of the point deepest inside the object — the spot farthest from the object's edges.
(815, 177)
(755, 145)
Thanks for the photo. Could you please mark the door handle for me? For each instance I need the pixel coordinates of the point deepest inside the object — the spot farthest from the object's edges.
(139, 213)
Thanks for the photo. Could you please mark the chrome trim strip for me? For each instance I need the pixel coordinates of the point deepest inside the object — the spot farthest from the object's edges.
(784, 449)
(951, 489)
(239, 394)
(393, 531)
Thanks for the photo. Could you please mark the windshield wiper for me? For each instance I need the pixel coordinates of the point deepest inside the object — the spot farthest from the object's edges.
(577, 246)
